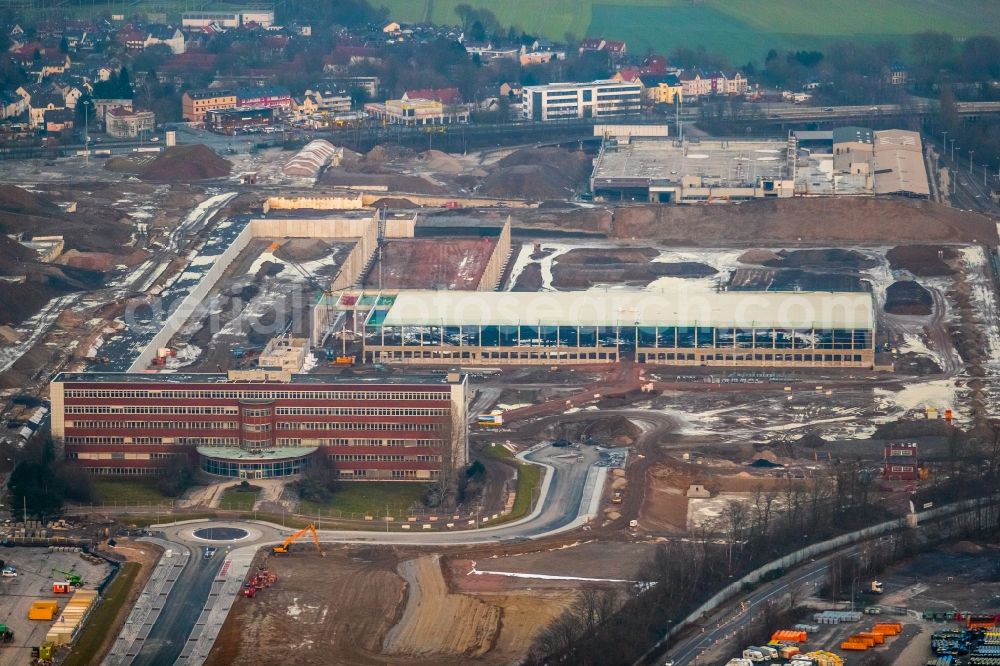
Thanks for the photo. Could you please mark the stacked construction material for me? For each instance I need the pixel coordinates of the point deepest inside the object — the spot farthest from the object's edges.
(72, 618)
(836, 617)
(789, 636)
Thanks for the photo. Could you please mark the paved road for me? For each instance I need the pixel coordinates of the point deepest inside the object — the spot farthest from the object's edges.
(181, 610)
(689, 650)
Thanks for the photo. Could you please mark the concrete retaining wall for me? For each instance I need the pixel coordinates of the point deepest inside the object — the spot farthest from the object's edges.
(193, 300)
(490, 280)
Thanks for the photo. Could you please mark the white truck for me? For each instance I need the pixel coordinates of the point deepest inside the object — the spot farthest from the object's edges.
(754, 654)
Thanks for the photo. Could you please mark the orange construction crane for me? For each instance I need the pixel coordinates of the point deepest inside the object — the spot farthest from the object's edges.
(283, 548)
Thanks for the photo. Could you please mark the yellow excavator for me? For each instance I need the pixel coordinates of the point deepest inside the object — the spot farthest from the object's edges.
(283, 548)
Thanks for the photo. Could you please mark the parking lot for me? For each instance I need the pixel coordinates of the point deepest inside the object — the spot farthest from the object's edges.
(36, 571)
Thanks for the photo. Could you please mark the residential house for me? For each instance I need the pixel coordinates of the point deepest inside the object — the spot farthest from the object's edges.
(58, 120)
(329, 99)
(132, 38)
(167, 35)
(128, 124)
(662, 88)
(391, 28)
(614, 48)
(511, 90)
(344, 56)
(196, 103)
(102, 106)
(12, 104)
(52, 62)
(898, 74)
(70, 93)
(39, 104)
(266, 97)
(697, 83)
(540, 57)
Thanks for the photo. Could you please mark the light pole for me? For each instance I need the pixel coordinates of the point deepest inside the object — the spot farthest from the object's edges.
(971, 153)
(944, 139)
(953, 150)
(985, 184)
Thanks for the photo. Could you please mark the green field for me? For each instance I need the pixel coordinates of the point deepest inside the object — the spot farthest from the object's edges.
(528, 479)
(127, 492)
(238, 499)
(739, 29)
(368, 498)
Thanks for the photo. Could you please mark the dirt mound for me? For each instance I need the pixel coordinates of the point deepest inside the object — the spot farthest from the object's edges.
(530, 278)
(436, 160)
(966, 548)
(122, 164)
(811, 440)
(924, 260)
(914, 428)
(758, 257)
(616, 430)
(807, 220)
(302, 249)
(186, 163)
(13, 255)
(821, 259)
(388, 152)
(582, 268)
(394, 203)
(22, 202)
(394, 183)
(908, 297)
(537, 174)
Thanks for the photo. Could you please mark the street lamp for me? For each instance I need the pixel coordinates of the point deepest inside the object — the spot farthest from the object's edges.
(944, 139)
(953, 150)
(971, 153)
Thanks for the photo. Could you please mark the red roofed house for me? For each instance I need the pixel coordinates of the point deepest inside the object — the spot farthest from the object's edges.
(615, 48)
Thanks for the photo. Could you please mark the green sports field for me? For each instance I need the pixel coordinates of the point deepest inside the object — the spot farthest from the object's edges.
(740, 29)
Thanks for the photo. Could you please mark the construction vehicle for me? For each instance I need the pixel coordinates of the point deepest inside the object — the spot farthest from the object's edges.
(72, 577)
(6, 635)
(309, 529)
(249, 591)
(875, 587)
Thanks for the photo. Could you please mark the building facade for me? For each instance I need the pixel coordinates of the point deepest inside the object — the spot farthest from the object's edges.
(196, 103)
(417, 112)
(126, 124)
(403, 429)
(267, 97)
(597, 99)
(731, 328)
(230, 121)
(901, 463)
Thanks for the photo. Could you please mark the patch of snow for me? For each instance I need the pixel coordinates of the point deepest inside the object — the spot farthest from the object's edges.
(309, 363)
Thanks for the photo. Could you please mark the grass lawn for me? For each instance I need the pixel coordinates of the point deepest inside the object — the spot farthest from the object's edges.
(103, 617)
(238, 499)
(528, 479)
(738, 29)
(368, 498)
(127, 492)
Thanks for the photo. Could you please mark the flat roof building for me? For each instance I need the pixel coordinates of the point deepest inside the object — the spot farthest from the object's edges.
(253, 425)
(596, 99)
(830, 329)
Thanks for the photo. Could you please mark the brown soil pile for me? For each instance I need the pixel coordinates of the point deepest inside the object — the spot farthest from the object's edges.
(820, 259)
(908, 297)
(185, 164)
(616, 430)
(303, 249)
(584, 267)
(122, 164)
(436, 160)
(924, 260)
(100, 261)
(22, 202)
(807, 220)
(43, 283)
(394, 203)
(758, 257)
(13, 255)
(388, 152)
(395, 183)
(530, 278)
(537, 174)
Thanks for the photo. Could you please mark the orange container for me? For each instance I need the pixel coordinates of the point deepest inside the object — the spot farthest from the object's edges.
(887, 628)
(878, 639)
(853, 645)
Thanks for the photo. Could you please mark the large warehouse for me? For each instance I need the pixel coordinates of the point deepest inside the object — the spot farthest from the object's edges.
(262, 425)
(729, 328)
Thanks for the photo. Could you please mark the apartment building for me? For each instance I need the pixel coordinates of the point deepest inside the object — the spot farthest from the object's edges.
(196, 103)
(597, 99)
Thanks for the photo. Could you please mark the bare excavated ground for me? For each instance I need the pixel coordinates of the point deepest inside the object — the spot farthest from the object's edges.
(438, 263)
(789, 221)
(376, 605)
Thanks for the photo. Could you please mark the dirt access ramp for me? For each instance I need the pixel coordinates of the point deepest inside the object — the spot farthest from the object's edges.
(436, 622)
(802, 220)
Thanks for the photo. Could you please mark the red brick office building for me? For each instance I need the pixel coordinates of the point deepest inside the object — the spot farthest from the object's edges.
(393, 429)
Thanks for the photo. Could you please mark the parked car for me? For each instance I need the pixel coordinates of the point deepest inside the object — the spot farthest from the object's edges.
(209, 553)
(9, 572)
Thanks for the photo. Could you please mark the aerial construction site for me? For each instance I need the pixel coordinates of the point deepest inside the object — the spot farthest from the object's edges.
(435, 406)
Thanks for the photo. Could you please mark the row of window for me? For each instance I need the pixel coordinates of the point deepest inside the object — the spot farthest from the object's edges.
(155, 425)
(123, 409)
(296, 442)
(319, 425)
(359, 411)
(380, 457)
(258, 395)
